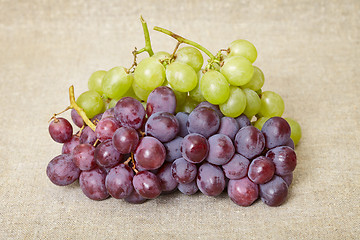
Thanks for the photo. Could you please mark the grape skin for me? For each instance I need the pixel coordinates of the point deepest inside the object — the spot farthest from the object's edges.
(229, 127)
(76, 118)
(191, 56)
(88, 136)
(92, 183)
(214, 87)
(163, 126)
(221, 149)
(237, 167)
(106, 128)
(135, 198)
(83, 156)
(243, 192)
(167, 181)
(91, 102)
(203, 120)
(161, 99)
(125, 139)
(60, 130)
(249, 142)
(276, 131)
(118, 181)
(173, 149)
(284, 159)
(194, 148)
(62, 171)
(188, 188)
(243, 121)
(69, 146)
(149, 74)
(147, 184)
(106, 155)
(274, 192)
(261, 170)
(129, 112)
(210, 179)
(150, 153)
(183, 171)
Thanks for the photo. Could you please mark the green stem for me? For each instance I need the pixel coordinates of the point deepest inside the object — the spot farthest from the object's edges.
(147, 38)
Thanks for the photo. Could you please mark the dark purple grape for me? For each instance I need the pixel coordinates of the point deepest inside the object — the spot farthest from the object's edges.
(150, 153)
(76, 118)
(188, 188)
(106, 155)
(92, 183)
(203, 120)
(221, 149)
(161, 99)
(261, 170)
(210, 179)
(212, 106)
(135, 198)
(194, 148)
(249, 142)
(290, 143)
(173, 149)
(147, 184)
(237, 167)
(125, 140)
(274, 192)
(183, 171)
(243, 192)
(284, 159)
(182, 118)
(229, 127)
(60, 130)
(243, 121)
(106, 128)
(129, 112)
(62, 171)
(276, 131)
(118, 181)
(69, 146)
(288, 178)
(167, 181)
(83, 156)
(163, 126)
(88, 136)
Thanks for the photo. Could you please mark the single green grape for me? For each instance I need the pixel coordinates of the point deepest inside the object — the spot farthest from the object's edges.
(237, 70)
(257, 80)
(191, 56)
(295, 130)
(271, 104)
(139, 92)
(112, 103)
(236, 103)
(196, 94)
(253, 103)
(214, 87)
(181, 76)
(116, 82)
(188, 105)
(149, 74)
(260, 122)
(91, 102)
(243, 48)
(161, 55)
(95, 80)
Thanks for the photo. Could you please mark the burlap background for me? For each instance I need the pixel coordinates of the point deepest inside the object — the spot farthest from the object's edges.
(308, 50)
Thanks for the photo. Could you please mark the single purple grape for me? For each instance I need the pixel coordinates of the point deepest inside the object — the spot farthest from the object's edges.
(229, 127)
(249, 142)
(274, 192)
(76, 118)
(183, 171)
(210, 179)
(243, 121)
(284, 159)
(118, 181)
(135, 198)
(194, 148)
(69, 146)
(188, 188)
(62, 171)
(288, 179)
(203, 120)
(106, 128)
(88, 136)
(161, 99)
(83, 156)
(60, 130)
(147, 184)
(212, 106)
(237, 167)
(221, 149)
(173, 149)
(182, 118)
(261, 170)
(163, 126)
(92, 183)
(276, 131)
(167, 181)
(129, 112)
(125, 140)
(106, 155)
(242, 191)
(150, 153)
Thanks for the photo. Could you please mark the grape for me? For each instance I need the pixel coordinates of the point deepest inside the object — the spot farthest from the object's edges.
(243, 121)
(210, 179)
(125, 140)
(214, 87)
(167, 181)
(173, 149)
(91, 102)
(60, 130)
(229, 127)
(257, 80)
(236, 103)
(183, 171)
(289, 143)
(92, 183)
(191, 56)
(243, 192)
(180, 97)
(118, 181)
(143, 94)
(237, 167)
(188, 188)
(182, 118)
(70, 145)
(221, 149)
(161, 55)
(150, 153)
(253, 103)
(196, 94)
(149, 74)
(260, 122)
(161, 99)
(135, 198)
(237, 70)
(284, 159)
(261, 170)
(96, 118)
(194, 148)
(243, 48)
(88, 136)
(181, 76)
(249, 142)
(295, 130)
(147, 184)
(212, 106)
(62, 171)
(76, 118)
(95, 81)
(116, 82)
(203, 120)
(274, 192)
(188, 106)
(106, 128)
(112, 103)
(276, 131)
(106, 155)
(109, 113)
(129, 112)
(271, 105)
(163, 126)
(83, 156)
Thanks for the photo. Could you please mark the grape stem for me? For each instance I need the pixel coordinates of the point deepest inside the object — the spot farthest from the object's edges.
(147, 47)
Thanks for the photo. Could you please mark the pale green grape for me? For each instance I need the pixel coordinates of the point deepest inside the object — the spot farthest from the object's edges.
(214, 87)
(260, 122)
(295, 130)
(243, 48)
(116, 83)
(91, 102)
(253, 103)
(149, 74)
(112, 103)
(196, 94)
(191, 56)
(161, 55)
(181, 76)
(236, 103)
(271, 105)
(139, 92)
(131, 93)
(237, 70)
(95, 80)
(188, 105)
(257, 80)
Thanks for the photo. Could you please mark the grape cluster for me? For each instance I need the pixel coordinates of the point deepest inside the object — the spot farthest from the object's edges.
(169, 123)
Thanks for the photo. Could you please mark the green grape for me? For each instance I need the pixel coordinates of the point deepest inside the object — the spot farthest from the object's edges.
(214, 87)
(196, 94)
(149, 74)
(181, 76)
(253, 103)
(271, 105)
(260, 122)
(95, 80)
(139, 92)
(188, 105)
(257, 80)
(161, 55)
(236, 103)
(191, 56)
(243, 48)
(295, 130)
(237, 70)
(116, 82)
(91, 102)
(180, 96)
(112, 103)
(131, 93)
